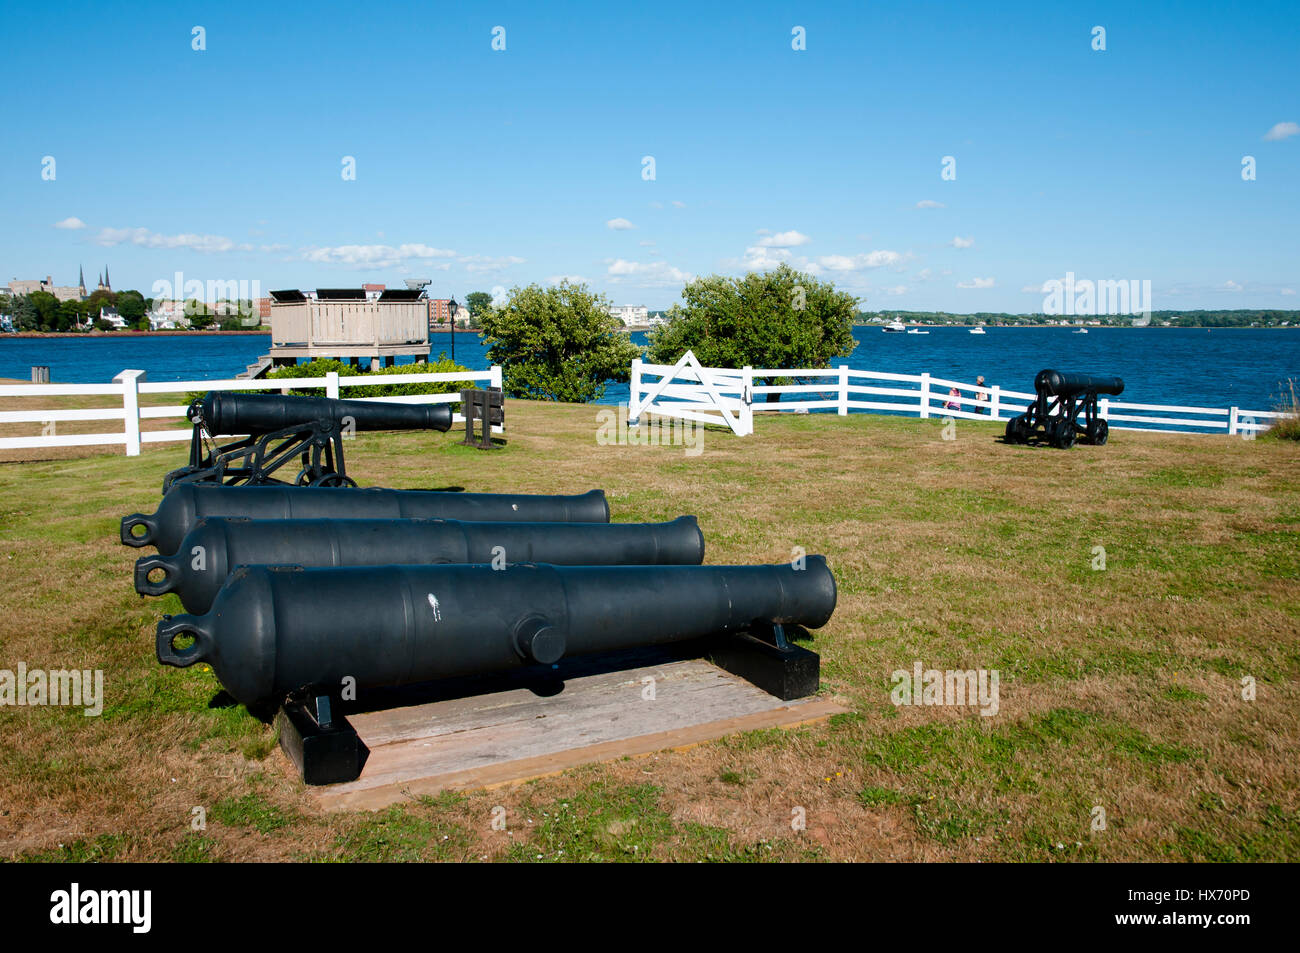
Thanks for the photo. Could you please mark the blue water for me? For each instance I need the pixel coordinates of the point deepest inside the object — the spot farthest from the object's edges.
(1208, 368)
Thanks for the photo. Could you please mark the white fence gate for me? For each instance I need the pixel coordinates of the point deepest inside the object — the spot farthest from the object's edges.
(686, 390)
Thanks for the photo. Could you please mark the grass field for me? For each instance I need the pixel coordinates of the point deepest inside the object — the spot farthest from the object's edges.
(1121, 688)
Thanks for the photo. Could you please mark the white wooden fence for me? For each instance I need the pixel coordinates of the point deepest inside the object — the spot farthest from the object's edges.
(729, 396)
(130, 384)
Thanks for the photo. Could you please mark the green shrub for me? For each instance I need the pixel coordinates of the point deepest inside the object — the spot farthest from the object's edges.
(320, 367)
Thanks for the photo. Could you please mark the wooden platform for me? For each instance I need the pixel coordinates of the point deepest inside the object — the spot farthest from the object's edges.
(517, 733)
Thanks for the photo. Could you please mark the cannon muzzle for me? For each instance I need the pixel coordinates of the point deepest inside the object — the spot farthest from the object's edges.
(216, 545)
(227, 412)
(186, 503)
(275, 629)
(1063, 384)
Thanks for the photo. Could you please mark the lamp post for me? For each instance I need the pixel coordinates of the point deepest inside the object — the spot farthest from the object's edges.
(452, 308)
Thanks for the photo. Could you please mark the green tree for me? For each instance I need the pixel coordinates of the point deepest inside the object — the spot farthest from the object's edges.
(557, 343)
(478, 303)
(99, 300)
(26, 317)
(71, 315)
(47, 310)
(779, 318)
(198, 313)
(131, 307)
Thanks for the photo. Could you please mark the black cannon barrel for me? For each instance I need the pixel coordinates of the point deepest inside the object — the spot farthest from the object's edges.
(1064, 384)
(227, 412)
(216, 545)
(185, 504)
(273, 630)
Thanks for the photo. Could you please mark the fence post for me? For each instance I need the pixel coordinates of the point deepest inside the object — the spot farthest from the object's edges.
(995, 402)
(634, 394)
(1232, 422)
(844, 390)
(925, 396)
(747, 396)
(1103, 408)
(332, 384)
(495, 380)
(130, 381)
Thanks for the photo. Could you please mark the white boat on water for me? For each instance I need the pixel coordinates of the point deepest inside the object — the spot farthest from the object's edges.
(916, 331)
(1080, 330)
(978, 330)
(895, 325)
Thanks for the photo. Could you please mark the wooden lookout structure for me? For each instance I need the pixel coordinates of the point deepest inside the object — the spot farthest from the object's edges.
(346, 324)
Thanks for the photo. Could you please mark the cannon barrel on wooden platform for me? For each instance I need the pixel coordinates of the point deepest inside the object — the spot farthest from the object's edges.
(187, 503)
(273, 631)
(216, 545)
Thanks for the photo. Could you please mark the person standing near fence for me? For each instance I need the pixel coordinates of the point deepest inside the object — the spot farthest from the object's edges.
(981, 394)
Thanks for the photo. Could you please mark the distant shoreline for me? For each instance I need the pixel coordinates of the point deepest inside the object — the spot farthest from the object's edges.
(1094, 327)
(129, 334)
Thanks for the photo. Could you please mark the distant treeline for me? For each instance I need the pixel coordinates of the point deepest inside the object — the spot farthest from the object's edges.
(1241, 318)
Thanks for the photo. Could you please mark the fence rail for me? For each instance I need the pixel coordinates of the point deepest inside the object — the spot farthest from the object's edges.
(131, 384)
(693, 392)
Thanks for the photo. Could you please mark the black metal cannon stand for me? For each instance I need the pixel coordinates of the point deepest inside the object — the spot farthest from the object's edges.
(764, 657)
(1056, 421)
(320, 741)
(316, 444)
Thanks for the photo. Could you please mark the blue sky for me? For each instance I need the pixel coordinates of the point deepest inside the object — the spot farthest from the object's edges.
(480, 168)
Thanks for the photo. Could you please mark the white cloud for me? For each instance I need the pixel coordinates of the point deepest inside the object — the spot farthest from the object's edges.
(959, 242)
(1288, 291)
(677, 204)
(976, 283)
(895, 290)
(378, 256)
(1035, 289)
(144, 238)
(759, 258)
(70, 223)
(1231, 285)
(790, 239)
(930, 203)
(391, 256)
(571, 279)
(1283, 130)
(619, 224)
(480, 263)
(874, 259)
(646, 243)
(648, 273)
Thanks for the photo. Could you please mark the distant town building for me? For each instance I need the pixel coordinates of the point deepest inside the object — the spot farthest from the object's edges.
(632, 315)
(439, 313)
(46, 284)
(112, 317)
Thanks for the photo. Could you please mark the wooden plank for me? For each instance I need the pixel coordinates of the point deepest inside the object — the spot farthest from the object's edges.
(515, 734)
